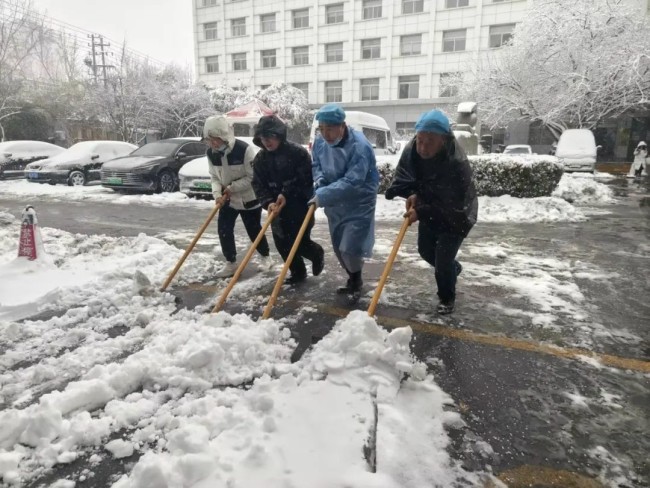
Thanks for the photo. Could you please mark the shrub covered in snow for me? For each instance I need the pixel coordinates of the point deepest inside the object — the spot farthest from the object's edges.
(527, 176)
(498, 174)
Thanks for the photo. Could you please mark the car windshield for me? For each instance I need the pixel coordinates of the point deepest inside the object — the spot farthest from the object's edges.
(159, 148)
(517, 150)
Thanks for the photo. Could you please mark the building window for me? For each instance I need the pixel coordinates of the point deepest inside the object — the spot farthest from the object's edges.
(370, 48)
(300, 55)
(210, 31)
(457, 3)
(369, 89)
(304, 87)
(238, 27)
(334, 52)
(412, 6)
(211, 64)
(209, 3)
(267, 23)
(454, 40)
(449, 84)
(410, 45)
(334, 13)
(300, 18)
(500, 34)
(405, 128)
(239, 62)
(268, 58)
(333, 91)
(409, 86)
(371, 9)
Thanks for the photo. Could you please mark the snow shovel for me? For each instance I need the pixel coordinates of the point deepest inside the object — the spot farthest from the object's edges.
(190, 247)
(244, 263)
(388, 267)
(292, 254)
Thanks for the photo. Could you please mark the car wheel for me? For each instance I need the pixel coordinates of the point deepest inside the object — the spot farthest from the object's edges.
(166, 182)
(76, 178)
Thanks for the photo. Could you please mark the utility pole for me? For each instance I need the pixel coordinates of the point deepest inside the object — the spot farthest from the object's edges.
(97, 42)
(94, 61)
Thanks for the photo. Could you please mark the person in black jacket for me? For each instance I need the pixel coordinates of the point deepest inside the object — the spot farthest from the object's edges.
(434, 176)
(283, 183)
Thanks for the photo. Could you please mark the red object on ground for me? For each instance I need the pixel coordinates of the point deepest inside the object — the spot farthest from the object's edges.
(27, 244)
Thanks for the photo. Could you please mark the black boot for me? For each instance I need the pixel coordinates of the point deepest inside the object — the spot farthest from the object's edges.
(353, 285)
(318, 263)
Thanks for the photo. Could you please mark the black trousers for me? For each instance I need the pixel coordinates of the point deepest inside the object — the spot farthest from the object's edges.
(285, 229)
(439, 249)
(226, 227)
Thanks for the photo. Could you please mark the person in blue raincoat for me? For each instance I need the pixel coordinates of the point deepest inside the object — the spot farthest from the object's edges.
(346, 182)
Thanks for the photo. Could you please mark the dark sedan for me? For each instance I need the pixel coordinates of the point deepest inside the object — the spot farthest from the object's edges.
(15, 155)
(153, 167)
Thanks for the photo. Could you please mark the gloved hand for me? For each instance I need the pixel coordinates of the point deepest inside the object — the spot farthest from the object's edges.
(313, 201)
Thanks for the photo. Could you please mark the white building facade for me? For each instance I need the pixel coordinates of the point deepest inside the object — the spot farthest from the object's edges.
(393, 58)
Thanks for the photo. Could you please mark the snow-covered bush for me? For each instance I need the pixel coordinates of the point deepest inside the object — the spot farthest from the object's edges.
(518, 176)
(498, 174)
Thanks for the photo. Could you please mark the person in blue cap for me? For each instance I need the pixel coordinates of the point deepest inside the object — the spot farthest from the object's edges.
(435, 177)
(346, 182)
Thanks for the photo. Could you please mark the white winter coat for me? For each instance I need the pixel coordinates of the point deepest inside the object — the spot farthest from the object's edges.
(640, 161)
(238, 177)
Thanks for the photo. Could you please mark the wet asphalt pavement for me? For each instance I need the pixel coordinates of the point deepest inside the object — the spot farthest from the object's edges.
(549, 416)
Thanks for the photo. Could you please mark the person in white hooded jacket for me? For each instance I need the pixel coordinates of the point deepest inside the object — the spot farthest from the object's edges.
(231, 172)
(640, 165)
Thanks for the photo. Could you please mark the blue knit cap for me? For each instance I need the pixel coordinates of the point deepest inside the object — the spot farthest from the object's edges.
(331, 114)
(434, 121)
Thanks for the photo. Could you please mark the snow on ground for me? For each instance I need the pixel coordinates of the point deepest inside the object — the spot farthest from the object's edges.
(201, 400)
(575, 188)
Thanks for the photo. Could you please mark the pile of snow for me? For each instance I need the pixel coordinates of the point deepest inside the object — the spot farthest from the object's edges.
(583, 190)
(527, 210)
(204, 398)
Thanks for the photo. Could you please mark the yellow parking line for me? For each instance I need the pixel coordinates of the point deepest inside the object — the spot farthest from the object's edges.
(545, 477)
(519, 344)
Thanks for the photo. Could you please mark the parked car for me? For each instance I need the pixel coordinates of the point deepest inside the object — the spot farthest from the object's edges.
(577, 150)
(518, 149)
(78, 164)
(195, 178)
(15, 155)
(153, 167)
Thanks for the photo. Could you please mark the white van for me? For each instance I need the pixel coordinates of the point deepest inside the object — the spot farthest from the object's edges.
(577, 149)
(373, 127)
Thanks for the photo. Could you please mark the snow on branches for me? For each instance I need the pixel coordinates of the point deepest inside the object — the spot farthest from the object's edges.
(569, 64)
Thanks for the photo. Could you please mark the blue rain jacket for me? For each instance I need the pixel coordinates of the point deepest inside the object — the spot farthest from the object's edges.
(347, 181)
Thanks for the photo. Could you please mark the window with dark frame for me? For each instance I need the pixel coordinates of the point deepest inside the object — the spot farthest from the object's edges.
(269, 59)
(334, 52)
(454, 40)
(410, 45)
(239, 62)
(333, 91)
(300, 18)
(300, 55)
(267, 23)
(238, 27)
(500, 34)
(408, 86)
(211, 64)
(210, 31)
(412, 6)
(334, 13)
(371, 48)
(369, 89)
(372, 9)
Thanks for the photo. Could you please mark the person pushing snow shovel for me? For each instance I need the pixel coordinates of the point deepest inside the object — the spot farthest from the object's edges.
(346, 182)
(434, 176)
(229, 161)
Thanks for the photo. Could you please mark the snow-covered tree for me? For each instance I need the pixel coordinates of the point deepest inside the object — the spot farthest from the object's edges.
(20, 34)
(569, 64)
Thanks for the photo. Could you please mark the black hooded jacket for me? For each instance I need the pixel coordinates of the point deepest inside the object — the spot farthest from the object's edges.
(286, 171)
(446, 196)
